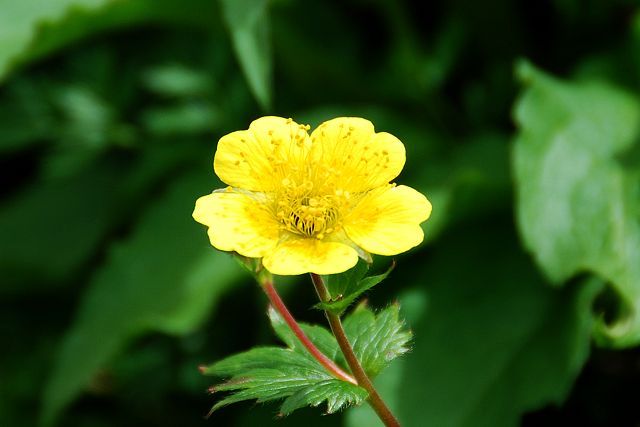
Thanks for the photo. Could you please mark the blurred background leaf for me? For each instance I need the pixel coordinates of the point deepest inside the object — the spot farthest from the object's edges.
(517, 345)
(583, 217)
(136, 291)
(248, 25)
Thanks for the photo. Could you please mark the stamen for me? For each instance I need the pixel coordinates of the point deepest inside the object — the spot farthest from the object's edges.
(310, 205)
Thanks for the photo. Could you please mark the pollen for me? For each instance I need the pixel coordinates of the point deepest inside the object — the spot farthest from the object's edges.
(307, 208)
(311, 202)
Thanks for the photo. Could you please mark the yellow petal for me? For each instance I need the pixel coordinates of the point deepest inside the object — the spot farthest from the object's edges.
(238, 223)
(309, 255)
(387, 220)
(362, 158)
(258, 159)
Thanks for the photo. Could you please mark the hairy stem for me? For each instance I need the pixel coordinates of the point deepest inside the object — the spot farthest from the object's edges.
(375, 400)
(278, 304)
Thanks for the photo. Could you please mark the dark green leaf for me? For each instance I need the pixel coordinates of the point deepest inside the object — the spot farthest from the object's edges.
(248, 24)
(338, 284)
(337, 394)
(80, 211)
(30, 29)
(321, 337)
(346, 287)
(577, 203)
(25, 116)
(377, 339)
(177, 81)
(272, 373)
(18, 23)
(263, 358)
(164, 277)
(182, 119)
(492, 341)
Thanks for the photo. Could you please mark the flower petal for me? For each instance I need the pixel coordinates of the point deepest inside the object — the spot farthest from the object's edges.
(259, 158)
(237, 222)
(362, 158)
(387, 220)
(309, 255)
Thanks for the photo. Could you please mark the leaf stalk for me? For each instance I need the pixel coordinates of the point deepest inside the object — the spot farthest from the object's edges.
(281, 308)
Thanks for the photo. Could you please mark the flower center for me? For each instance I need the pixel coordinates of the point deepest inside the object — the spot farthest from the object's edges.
(301, 210)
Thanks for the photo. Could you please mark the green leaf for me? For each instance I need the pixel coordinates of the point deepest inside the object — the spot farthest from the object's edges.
(19, 21)
(25, 115)
(346, 287)
(377, 339)
(267, 374)
(248, 25)
(177, 81)
(165, 277)
(337, 394)
(338, 284)
(492, 341)
(80, 211)
(30, 29)
(320, 336)
(577, 202)
(272, 373)
(183, 119)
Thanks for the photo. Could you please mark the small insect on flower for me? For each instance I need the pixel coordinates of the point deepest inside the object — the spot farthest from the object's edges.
(311, 203)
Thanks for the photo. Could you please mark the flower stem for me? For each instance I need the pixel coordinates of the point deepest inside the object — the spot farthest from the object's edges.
(375, 400)
(281, 308)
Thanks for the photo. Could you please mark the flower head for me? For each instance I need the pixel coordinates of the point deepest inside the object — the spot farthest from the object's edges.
(311, 203)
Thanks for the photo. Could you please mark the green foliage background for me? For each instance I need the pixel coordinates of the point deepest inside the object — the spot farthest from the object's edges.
(522, 126)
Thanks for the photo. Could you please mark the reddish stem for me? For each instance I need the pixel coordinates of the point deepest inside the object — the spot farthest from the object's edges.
(383, 411)
(278, 304)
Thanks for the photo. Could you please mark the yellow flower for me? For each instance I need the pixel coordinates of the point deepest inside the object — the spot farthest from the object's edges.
(311, 203)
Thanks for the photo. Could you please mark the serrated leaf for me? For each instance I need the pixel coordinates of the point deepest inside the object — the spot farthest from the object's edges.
(577, 203)
(346, 287)
(261, 358)
(271, 373)
(337, 394)
(248, 24)
(320, 336)
(338, 284)
(165, 277)
(377, 339)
